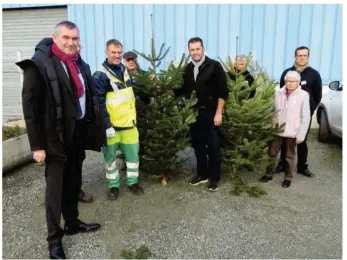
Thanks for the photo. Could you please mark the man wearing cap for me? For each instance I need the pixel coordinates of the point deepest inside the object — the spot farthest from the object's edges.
(117, 103)
(131, 63)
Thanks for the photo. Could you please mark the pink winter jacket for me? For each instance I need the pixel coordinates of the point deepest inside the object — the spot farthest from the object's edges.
(294, 112)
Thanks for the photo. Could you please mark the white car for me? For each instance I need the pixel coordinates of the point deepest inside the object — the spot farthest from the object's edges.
(329, 113)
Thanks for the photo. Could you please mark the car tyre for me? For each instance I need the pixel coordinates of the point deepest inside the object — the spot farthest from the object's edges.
(324, 131)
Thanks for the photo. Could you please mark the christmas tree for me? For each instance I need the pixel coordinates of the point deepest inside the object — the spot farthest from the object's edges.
(164, 123)
(247, 128)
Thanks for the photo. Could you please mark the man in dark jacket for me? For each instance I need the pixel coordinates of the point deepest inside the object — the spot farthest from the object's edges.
(240, 63)
(312, 83)
(131, 63)
(62, 119)
(208, 79)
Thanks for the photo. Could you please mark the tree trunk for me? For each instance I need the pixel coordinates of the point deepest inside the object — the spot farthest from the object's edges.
(163, 181)
(233, 172)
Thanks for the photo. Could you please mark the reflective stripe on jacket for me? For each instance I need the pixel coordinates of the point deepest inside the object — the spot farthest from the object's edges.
(120, 103)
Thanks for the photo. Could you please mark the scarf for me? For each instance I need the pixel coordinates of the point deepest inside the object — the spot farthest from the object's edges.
(70, 61)
(287, 93)
(197, 65)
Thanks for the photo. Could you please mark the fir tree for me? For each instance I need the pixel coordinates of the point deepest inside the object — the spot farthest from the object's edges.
(247, 128)
(164, 123)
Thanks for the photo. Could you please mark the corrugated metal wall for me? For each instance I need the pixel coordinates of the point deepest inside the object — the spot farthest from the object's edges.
(21, 32)
(15, 6)
(273, 31)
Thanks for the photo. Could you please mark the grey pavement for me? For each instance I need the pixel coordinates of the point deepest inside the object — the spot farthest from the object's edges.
(179, 221)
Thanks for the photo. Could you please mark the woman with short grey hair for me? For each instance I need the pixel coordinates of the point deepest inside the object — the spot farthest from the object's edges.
(292, 74)
(292, 107)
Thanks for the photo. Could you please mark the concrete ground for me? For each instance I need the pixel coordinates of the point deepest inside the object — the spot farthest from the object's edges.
(179, 221)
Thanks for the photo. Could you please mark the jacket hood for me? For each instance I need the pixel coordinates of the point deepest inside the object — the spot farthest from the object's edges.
(42, 52)
(45, 41)
(44, 45)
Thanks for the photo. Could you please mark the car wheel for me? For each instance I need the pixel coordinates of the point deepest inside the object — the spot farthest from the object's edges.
(324, 131)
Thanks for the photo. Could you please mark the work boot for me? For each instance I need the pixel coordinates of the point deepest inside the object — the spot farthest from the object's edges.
(113, 193)
(135, 189)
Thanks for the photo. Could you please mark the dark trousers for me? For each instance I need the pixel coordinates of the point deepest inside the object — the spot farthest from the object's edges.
(302, 153)
(79, 174)
(63, 184)
(274, 149)
(205, 141)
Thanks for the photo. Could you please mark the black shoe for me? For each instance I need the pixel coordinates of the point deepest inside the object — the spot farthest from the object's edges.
(280, 168)
(213, 186)
(56, 251)
(305, 171)
(113, 193)
(265, 178)
(286, 183)
(136, 189)
(81, 228)
(84, 197)
(198, 180)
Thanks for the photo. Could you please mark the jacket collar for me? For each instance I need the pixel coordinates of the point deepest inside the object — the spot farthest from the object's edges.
(294, 68)
(113, 67)
(283, 89)
(206, 62)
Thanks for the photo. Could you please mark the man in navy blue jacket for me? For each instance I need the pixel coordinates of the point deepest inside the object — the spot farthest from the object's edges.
(312, 83)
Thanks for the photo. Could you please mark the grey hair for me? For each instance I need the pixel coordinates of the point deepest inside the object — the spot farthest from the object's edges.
(241, 57)
(113, 42)
(67, 24)
(292, 74)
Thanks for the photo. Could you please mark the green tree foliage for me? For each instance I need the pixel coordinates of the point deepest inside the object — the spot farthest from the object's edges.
(247, 128)
(164, 123)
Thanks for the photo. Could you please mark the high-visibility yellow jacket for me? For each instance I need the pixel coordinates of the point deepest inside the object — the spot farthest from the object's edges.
(120, 103)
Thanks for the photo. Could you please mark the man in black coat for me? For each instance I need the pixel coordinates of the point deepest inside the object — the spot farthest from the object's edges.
(207, 77)
(62, 119)
(312, 83)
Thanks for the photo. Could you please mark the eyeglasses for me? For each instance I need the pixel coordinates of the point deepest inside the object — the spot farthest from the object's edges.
(130, 59)
(302, 56)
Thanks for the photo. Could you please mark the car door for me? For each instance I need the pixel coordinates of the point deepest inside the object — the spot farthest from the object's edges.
(336, 111)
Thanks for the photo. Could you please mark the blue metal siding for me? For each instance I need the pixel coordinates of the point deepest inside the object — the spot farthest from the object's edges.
(336, 66)
(272, 31)
(267, 53)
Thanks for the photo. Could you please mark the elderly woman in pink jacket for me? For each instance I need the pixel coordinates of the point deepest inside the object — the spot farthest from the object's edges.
(292, 107)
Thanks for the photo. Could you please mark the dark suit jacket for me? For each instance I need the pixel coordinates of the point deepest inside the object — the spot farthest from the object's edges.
(40, 111)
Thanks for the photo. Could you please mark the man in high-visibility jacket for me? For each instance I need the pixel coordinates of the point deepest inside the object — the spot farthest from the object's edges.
(117, 101)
